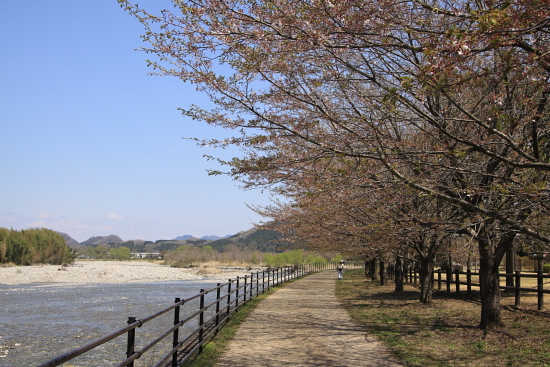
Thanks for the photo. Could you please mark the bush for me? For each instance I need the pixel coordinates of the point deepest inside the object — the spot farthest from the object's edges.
(546, 268)
(34, 246)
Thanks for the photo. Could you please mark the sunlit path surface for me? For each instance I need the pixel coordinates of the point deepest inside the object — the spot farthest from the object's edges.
(303, 324)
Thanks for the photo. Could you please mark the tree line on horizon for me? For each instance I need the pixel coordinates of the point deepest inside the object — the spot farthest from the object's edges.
(33, 246)
(396, 130)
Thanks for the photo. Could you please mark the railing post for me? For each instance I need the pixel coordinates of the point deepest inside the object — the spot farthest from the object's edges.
(201, 321)
(263, 281)
(218, 296)
(257, 283)
(245, 288)
(540, 288)
(131, 344)
(449, 279)
(457, 285)
(237, 293)
(518, 284)
(469, 281)
(175, 338)
(229, 297)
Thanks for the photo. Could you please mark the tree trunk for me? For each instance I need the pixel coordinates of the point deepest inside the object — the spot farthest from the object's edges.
(426, 271)
(383, 274)
(374, 270)
(489, 282)
(510, 266)
(398, 274)
(367, 266)
(489, 261)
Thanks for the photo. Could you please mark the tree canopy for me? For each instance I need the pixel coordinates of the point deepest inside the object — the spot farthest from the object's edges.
(446, 99)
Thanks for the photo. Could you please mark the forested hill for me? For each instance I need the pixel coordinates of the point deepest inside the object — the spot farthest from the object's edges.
(253, 239)
(98, 240)
(71, 242)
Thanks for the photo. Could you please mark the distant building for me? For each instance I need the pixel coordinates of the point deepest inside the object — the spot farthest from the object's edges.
(147, 255)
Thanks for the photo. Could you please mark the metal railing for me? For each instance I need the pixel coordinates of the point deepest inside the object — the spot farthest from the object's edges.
(203, 321)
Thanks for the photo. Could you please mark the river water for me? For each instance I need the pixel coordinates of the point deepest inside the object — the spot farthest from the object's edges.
(39, 322)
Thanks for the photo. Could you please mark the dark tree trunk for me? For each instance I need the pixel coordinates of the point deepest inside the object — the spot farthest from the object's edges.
(489, 261)
(398, 274)
(426, 271)
(405, 270)
(367, 267)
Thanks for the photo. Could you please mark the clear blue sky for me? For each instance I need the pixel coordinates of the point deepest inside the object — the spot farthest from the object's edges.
(90, 145)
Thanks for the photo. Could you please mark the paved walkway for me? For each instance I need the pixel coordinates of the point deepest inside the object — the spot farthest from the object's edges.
(303, 324)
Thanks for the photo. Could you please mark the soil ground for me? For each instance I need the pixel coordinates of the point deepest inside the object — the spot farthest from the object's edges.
(303, 324)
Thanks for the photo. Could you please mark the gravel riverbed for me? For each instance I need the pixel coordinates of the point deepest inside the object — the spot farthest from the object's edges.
(91, 272)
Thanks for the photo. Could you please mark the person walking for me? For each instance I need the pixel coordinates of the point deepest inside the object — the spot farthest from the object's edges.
(340, 268)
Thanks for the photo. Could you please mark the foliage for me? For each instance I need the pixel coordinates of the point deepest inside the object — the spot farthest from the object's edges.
(447, 101)
(261, 240)
(33, 246)
(121, 253)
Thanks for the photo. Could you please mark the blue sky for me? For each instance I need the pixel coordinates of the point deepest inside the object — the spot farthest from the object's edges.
(91, 145)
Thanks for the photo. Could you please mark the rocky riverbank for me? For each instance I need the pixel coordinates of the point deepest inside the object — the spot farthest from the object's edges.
(91, 271)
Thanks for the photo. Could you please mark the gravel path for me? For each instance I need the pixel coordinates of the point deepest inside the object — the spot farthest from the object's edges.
(303, 324)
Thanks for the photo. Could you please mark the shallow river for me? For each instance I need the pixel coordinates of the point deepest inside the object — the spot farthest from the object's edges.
(39, 322)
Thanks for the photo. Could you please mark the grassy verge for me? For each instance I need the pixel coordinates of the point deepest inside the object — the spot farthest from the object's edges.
(445, 333)
(212, 350)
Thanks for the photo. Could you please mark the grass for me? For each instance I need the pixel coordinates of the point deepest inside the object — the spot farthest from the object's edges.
(445, 333)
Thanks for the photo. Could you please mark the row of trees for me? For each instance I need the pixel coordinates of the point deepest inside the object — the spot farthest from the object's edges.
(190, 255)
(387, 127)
(33, 246)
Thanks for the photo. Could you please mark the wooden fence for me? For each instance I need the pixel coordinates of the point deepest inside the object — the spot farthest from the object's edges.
(468, 278)
(207, 318)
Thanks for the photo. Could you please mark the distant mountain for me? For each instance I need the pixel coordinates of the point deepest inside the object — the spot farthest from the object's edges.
(206, 238)
(252, 239)
(100, 240)
(184, 237)
(211, 238)
(71, 242)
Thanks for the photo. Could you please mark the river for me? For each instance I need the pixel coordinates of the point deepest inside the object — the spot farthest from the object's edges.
(39, 322)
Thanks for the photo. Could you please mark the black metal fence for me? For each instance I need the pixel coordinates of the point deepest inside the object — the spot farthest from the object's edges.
(189, 333)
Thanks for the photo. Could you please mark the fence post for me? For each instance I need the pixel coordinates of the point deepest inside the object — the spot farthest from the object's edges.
(457, 285)
(218, 296)
(131, 344)
(245, 291)
(438, 279)
(263, 281)
(449, 279)
(469, 281)
(540, 287)
(257, 283)
(175, 338)
(518, 285)
(201, 321)
(237, 293)
(229, 297)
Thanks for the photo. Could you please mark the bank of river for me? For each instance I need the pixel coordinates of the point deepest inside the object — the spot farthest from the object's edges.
(38, 322)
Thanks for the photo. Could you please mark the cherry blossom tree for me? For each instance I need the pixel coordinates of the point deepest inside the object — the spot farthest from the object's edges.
(449, 98)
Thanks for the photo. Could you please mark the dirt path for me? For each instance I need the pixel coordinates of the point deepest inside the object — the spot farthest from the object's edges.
(303, 324)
